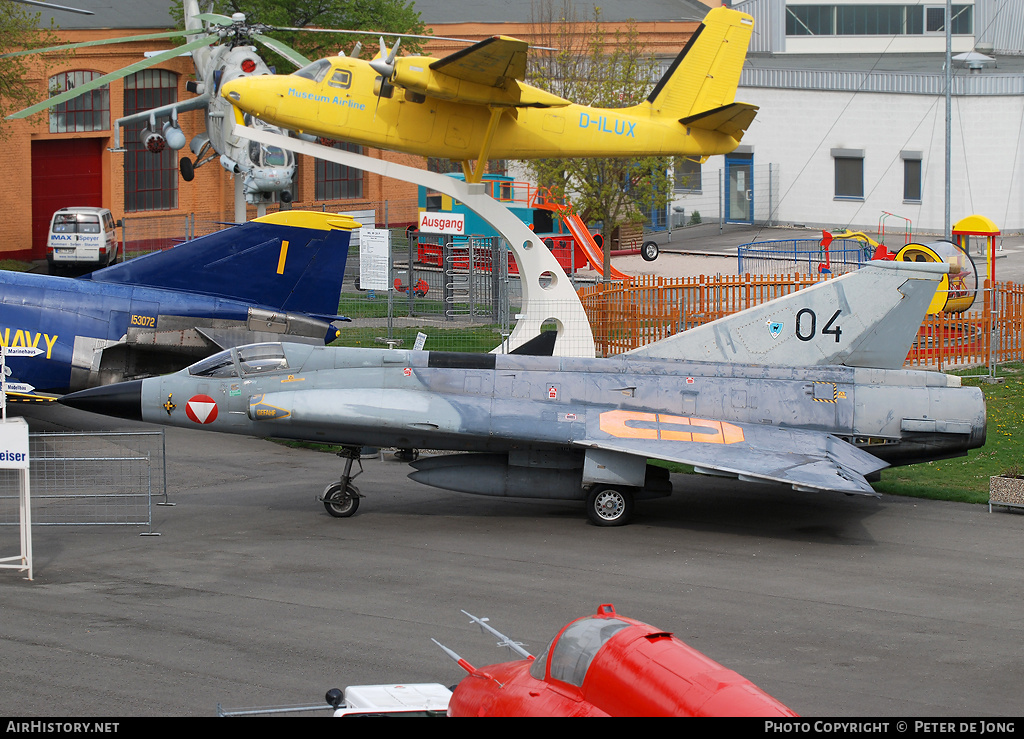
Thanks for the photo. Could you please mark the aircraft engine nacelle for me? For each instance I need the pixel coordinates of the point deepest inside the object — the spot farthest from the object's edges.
(410, 74)
(174, 136)
(229, 164)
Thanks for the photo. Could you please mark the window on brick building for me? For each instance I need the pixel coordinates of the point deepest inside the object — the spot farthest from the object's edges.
(336, 181)
(89, 111)
(150, 179)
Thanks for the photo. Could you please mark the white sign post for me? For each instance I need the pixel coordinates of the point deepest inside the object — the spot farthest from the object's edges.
(16, 387)
(14, 455)
(374, 259)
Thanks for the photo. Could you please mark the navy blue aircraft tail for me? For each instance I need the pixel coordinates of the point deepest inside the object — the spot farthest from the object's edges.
(291, 260)
(276, 278)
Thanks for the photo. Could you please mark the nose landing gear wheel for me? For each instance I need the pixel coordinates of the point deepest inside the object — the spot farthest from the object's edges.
(341, 503)
(609, 506)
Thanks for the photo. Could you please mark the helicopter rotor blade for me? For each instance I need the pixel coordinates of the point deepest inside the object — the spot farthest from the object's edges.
(386, 34)
(119, 74)
(217, 18)
(100, 42)
(284, 50)
(353, 32)
(54, 6)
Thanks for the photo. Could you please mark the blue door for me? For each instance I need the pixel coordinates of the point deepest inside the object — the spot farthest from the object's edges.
(739, 188)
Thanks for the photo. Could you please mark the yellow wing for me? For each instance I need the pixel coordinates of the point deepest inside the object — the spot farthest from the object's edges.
(490, 72)
(492, 62)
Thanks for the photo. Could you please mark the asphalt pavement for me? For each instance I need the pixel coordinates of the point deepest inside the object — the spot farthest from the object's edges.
(713, 239)
(253, 595)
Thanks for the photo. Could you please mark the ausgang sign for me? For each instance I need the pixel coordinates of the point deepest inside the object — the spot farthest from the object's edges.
(442, 223)
(14, 444)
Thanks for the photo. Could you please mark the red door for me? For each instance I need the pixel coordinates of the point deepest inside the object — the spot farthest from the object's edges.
(65, 173)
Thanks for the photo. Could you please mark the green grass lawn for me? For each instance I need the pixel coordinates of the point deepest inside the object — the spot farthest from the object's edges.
(480, 339)
(966, 478)
(14, 265)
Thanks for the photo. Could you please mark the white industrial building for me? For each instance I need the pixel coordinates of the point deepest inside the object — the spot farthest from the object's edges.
(852, 117)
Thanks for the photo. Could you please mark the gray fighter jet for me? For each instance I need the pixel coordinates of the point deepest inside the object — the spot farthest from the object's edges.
(801, 390)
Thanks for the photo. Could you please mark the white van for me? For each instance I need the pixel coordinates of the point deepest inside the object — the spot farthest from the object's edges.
(82, 236)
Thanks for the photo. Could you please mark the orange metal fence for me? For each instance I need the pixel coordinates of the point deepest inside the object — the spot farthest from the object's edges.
(629, 314)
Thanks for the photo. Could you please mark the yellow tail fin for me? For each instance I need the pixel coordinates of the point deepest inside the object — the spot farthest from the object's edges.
(706, 73)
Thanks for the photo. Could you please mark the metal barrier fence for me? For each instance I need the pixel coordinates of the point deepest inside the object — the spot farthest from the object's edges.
(630, 314)
(986, 336)
(89, 478)
(806, 256)
(144, 234)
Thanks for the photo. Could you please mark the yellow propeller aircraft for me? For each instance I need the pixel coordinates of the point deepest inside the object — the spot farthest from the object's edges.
(474, 104)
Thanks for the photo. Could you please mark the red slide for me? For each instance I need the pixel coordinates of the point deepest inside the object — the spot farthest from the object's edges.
(595, 255)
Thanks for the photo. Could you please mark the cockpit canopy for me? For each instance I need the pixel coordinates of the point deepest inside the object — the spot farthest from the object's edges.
(245, 360)
(575, 648)
(315, 71)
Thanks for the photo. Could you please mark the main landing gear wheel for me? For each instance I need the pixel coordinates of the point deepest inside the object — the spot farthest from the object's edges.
(339, 502)
(649, 251)
(187, 169)
(407, 455)
(609, 506)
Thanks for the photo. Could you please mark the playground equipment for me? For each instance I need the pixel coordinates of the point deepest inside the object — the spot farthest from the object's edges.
(575, 248)
(977, 225)
(959, 288)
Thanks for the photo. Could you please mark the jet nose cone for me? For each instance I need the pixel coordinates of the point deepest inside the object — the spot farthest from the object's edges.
(123, 400)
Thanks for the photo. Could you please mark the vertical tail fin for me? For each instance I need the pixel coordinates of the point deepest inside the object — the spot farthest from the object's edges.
(868, 318)
(706, 73)
(293, 261)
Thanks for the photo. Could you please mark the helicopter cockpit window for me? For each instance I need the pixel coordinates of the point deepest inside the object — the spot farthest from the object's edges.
(342, 78)
(274, 156)
(577, 646)
(262, 358)
(315, 71)
(219, 365)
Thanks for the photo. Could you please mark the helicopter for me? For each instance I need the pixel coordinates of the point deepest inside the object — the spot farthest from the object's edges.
(222, 50)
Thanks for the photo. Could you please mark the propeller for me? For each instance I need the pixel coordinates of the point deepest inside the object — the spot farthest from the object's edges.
(384, 64)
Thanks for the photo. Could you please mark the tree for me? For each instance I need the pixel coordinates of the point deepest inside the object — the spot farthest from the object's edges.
(18, 32)
(395, 16)
(593, 67)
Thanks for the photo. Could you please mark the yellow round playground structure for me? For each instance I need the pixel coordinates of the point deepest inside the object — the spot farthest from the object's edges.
(957, 290)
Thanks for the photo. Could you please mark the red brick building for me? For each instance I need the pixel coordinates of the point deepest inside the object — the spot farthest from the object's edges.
(64, 158)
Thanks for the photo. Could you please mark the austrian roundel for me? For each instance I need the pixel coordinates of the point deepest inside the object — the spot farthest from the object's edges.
(201, 409)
